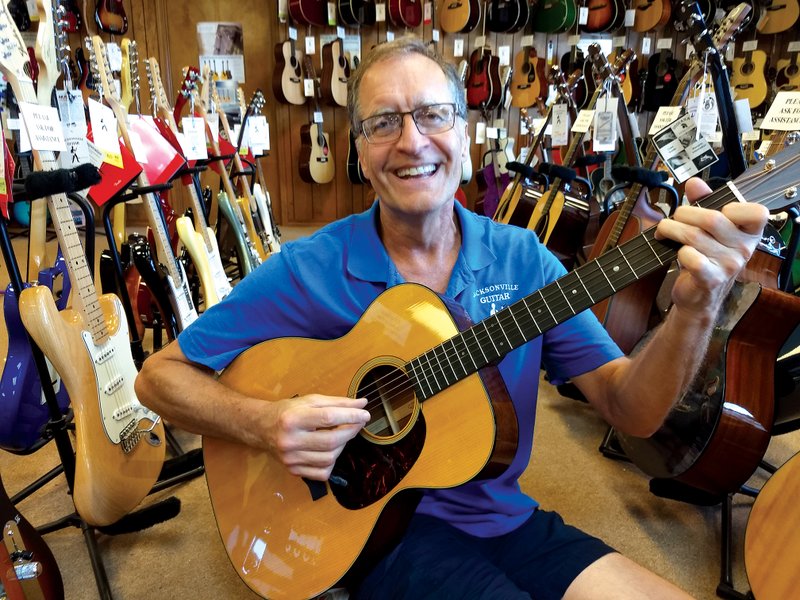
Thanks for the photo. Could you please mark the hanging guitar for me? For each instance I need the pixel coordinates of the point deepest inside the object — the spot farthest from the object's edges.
(19, 13)
(405, 13)
(459, 16)
(780, 15)
(661, 81)
(507, 16)
(528, 78)
(316, 158)
(28, 569)
(309, 12)
(748, 77)
(355, 13)
(787, 78)
(335, 73)
(110, 17)
(287, 77)
(71, 15)
(651, 14)
(258, 503)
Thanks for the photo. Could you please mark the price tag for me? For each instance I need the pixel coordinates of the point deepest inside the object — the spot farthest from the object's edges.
(618, 41)
(104, 131)
(340, 32)
(744, 117)
(492, 133)
(435, 36)
(630, 17)
(317, 117)
(44, 127)
(604, 136)
(380, 12)
(427, 13)
(559, 127)
(194, 138)
(293, 33)
(730, 52)
(664, 116)
(583, 15)
(645, 45)
(527, 40)
(749, 45)
(480, 132)
(308, 88)
(114, 53)
(458, 47)
(332, 14)
(504, 54)
(584, 121)
(311, 45)
(480, 41)
(574, 40)
(794, 47)
(751, 136)
(664, 44)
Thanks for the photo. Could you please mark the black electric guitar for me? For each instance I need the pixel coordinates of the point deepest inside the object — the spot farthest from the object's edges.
(258, 503)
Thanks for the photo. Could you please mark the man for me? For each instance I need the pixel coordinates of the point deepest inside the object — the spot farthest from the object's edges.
(484, 539)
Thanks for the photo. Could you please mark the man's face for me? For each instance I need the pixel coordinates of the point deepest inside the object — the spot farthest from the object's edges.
(415, 173)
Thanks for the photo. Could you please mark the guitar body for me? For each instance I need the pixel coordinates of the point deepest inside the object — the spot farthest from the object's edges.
(484, 89)
(771, 540)
(627, 77)
(651, 14)
(287, 78)
(626, 314)
(335, 73)
(584, 87)
(528, 78)
(28, 568)
(405, 13)
(257, 501)
(309, 12)
(787, 78)
(554, 16)
(208, 264)
(117, 461)
(247, 257)
(661, 82)
(316, 164)
(110, 17)
(781, 16)
(354, 171)
(355, 13)
(716, 434)
(748, 78)
(72, 16)
(506, 16)
(459, 16)
(602, 15)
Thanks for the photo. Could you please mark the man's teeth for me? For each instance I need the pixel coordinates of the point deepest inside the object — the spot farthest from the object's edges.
(416, 171)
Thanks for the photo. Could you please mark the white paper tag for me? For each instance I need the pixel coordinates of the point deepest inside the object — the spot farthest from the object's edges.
(380, 12)
(784, 114)
(194, 138)
(604, 136)
(480, 132)
(311, 45)
(317, 117)
(559, 132)
(104, 132)
(645, 45)
(458, 47)
(664, 116)
(44, 127)
(504, 54)
(749, 45)
(308, 88)
(584, 121)
(664, 43)
(114, 53)
(583, 15)
(389, 36)
(681, 152)
(793, 46)
(630, 17)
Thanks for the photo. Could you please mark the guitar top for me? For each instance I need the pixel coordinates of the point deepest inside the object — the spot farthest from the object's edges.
(749, 79)
(287, 77)
(405, 13)
(554, 16)
(459, 17)
(651, 14)
(780, 15)
(661, 80)
(309, 12)
(507, 16)
(110, 17)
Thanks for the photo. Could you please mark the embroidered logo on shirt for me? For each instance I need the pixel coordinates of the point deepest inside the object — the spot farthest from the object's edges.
(495, 295)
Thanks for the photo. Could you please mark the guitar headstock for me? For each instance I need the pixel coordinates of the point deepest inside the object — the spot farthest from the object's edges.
(63, 51)
(45, 49)
(98, 60)
(133, 66)
(14, 58)
(731, 25)
(157, 91)
(126, 91)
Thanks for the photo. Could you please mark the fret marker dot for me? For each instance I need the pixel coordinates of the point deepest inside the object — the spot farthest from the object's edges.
(574, 292)
(615, 269)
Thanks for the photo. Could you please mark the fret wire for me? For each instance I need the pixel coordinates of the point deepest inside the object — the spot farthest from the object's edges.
(458, 356)
(429, 369)
(557, 282)
(588, 293)
(522, 333)
(530, 312)
(434, 370)
(480, 346)
(541, 295)
(486, 328)
(502, 329)
(450, 379)
(466, 350)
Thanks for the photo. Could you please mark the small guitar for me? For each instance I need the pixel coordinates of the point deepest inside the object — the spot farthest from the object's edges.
(258, 502)
(787, 78)
(316, 157)
(335, 73)
(110, 17)
(459, 16)
(287, 77)
(28, 569)
(748, 77)
(405, 13)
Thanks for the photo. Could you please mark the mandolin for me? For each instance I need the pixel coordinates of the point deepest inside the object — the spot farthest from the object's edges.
(316, 157)
(459, 16)
(436, 370)
(287, 77)
(110, 17)
(28, 569)
(749, 79)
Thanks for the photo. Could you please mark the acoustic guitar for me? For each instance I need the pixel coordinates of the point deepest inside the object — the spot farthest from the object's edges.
(405, 13)
(459, 16)
(749, 79)
(335, 73)
(781, 15)
(651, 14)
(309, 12)
(110, 17)
(316, 157)
(604, 15)
(771, 539)
(787, 78)
(483, 80)
(316, 531)
(287, 77)
(507, 16)
(28, 569)
(528, 78)
(554, 16)
(355, 13)
(661, 80)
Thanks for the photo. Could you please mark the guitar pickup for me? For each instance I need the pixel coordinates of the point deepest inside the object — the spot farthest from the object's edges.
(114, 385)
(104, 355)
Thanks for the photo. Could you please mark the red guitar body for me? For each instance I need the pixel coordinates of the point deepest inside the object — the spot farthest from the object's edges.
(309, 12)
(405, 13)
(484, 90)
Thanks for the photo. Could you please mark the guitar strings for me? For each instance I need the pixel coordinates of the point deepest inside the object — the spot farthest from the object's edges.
(641, 258)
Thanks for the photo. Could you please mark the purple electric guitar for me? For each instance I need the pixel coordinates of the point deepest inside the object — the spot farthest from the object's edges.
(23, 411)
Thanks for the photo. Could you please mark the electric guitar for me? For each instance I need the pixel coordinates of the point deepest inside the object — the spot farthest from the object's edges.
(287, 78)
(110, 17)
(412, 441)
(71, 15)
(316, 156)
(200, 241)
(119, 443)
(28, 569)
(173, 281)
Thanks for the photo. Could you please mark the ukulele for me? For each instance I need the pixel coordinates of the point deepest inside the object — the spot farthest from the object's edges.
(110, 17)
(748, 77)
(28, 568)
(459, 16)
(651, 14)
(257, 501)
(316, 158)
(287, 77)
(528, 78)
(335, 73)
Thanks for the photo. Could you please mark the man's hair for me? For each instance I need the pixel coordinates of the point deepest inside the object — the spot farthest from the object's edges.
(400, 47)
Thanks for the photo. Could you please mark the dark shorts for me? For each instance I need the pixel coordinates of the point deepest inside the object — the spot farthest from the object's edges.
(538, 560)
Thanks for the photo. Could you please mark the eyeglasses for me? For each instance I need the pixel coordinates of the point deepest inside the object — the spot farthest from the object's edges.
(429, 120)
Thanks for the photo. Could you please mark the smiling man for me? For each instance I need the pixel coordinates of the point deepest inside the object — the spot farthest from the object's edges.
(486, 538)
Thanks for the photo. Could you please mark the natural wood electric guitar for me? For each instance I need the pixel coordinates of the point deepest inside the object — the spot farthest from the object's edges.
(288, 537)
(120, 443)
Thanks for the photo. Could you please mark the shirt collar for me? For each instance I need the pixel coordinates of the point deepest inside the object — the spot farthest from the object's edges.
(369, 261)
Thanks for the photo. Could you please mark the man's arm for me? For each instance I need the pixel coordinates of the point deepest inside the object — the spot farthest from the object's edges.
(306, 434)
(635, 394)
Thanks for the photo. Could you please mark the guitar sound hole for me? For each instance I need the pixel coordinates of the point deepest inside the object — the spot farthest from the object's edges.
(792, 70)
(748, 68)
(391, 401)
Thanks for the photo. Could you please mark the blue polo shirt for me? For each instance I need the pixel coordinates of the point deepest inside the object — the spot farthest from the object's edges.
(318, 287)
